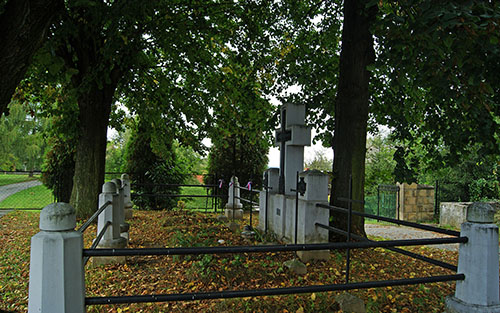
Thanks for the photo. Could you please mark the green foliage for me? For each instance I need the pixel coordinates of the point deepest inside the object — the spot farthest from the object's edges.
(115, 152)
(436, 80)
(319, 162)
(379, 163)
(149, 169)
(237, 155)
(22, 144)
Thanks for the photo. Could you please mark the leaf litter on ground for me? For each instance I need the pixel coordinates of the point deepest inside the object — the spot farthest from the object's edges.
(203, 273)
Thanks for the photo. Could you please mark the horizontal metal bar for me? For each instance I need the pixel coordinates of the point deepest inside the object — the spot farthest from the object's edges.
(388, 187)
(97, 240)
(393, 249)
(350, 200)
(272, 248)
(251, 190)
(93, 217)
(173, 185)
(164, 195)
(246, 200)
(392, 220)
(226, 294)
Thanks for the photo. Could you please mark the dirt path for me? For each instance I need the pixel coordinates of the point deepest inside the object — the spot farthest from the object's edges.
(402, 232)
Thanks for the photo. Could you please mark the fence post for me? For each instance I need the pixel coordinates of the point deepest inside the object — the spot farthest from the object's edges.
(127, 196)
(57, 282)
(124, 227)
(112, 238)
(478, 261)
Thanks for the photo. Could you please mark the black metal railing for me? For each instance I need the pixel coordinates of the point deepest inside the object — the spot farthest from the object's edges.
(361, 244)
(251, 193)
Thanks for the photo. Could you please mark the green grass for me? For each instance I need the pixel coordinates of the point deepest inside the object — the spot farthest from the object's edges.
(195, 203)
(32, 198)
(7, 179)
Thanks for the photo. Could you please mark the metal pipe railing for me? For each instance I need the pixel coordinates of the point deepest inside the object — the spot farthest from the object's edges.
(271, 248)
(392, 220)
(226, 294)
(97, 240)
(394, 249)
(94, 216)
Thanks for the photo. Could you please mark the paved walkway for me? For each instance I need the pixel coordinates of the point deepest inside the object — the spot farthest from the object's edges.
(8, 190)
(402, 232)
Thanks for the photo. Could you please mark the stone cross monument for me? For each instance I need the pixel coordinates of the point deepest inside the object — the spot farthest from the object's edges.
(291, 138)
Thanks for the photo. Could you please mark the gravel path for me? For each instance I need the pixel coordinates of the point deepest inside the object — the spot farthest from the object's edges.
(8, 190)
(402, 232)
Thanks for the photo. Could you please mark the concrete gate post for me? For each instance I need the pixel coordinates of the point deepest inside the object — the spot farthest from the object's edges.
(56, 282)
(478, 261)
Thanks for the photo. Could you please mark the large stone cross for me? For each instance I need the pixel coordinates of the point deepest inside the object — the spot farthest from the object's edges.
(292, 136)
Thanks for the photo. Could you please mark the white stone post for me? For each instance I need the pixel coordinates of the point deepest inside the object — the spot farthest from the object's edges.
(112, 238)
(127, 198)
(478, 261)
(124, 226)
(234, 206)
(57, 282)
(309, 214)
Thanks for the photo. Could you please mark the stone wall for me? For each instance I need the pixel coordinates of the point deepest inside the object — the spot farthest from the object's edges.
(453, 213)
(416, 202)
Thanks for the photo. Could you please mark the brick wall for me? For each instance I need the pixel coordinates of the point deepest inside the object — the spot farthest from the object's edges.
(416, 202)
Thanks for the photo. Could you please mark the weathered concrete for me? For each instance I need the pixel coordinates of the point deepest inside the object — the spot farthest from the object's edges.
(478, 260)
(112, 238)
(56, 264)
(453, 213)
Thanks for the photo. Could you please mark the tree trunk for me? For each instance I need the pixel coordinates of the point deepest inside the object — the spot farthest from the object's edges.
(23, 25)
(94, 110)
(351, 113)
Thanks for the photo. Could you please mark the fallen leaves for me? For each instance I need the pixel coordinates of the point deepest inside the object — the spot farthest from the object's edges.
(167, 275)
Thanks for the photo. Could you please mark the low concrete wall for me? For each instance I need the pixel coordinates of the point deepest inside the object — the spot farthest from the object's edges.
(453, 213)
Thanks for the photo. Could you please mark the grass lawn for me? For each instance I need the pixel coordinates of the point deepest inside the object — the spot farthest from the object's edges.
(196, 203)
(168, 275)
(32, 198)
(7, 179)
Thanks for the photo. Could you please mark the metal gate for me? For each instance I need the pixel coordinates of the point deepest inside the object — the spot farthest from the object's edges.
(388, 201)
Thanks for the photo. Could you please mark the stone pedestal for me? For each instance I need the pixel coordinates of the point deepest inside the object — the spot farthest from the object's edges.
(234, 207)
(478, 261)
(310, 214)
(56, 263)
(112, 238)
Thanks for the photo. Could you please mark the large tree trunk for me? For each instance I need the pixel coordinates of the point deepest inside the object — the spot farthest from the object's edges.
(95, 108)
(351, 112)
(23, 25)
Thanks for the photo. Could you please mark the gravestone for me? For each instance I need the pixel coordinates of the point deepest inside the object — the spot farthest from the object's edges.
(234, 208)
(278, 212)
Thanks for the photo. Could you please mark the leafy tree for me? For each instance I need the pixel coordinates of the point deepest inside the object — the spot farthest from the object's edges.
(380, 164)
(150, 167)
(163, 53)
(237, 155)
(319, 162)
(22, 144)
(437, 82)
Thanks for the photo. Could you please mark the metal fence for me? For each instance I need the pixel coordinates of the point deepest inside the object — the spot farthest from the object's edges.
(23, 190)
